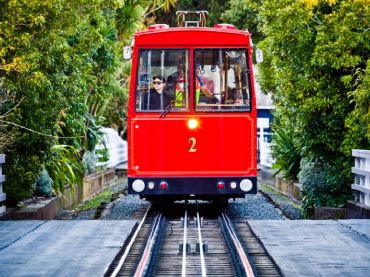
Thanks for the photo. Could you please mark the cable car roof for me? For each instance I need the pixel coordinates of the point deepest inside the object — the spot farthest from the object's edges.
(221, 34)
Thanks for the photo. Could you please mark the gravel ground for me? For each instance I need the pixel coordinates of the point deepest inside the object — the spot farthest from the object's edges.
(126, 207)
(250, 207)
(255, 207)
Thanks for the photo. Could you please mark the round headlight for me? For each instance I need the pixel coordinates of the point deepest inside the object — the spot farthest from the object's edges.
(246, 185)
(151, 185)
(138, 185)
(233, 185)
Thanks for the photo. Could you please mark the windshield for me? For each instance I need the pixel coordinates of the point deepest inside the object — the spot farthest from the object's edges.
(222, 80)
(162, 81)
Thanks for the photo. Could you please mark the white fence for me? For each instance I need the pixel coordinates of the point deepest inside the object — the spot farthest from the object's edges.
(116, 146)
(266, 158)
(2, 179)
(361, 186)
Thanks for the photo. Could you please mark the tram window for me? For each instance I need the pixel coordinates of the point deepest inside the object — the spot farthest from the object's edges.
(162, 80)
(222, 81)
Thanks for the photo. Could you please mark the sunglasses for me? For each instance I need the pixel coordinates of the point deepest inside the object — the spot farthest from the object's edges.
(157, 83)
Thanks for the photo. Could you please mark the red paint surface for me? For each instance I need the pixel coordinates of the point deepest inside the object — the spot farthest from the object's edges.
(221, 145)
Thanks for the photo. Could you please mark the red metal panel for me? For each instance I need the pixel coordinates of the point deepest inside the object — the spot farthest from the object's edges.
(224, 146)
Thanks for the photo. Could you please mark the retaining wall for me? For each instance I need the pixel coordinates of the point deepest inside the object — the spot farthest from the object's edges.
(49, 208)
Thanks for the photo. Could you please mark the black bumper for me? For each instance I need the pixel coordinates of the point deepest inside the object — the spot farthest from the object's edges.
(194, 186)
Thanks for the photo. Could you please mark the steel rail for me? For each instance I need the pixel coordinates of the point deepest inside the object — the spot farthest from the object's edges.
(145, 258)
(202, 261)
(128, 248)
(184, 242)
(239, 248)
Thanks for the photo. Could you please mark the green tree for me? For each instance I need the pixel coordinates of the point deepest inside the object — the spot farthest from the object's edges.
(316, 55)
(244, 15)
(56, 57)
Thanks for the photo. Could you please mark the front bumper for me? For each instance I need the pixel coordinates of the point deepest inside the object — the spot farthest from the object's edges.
(193, 186)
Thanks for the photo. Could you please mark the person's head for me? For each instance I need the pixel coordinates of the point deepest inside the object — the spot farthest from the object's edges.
(237, 96)
(159, 83)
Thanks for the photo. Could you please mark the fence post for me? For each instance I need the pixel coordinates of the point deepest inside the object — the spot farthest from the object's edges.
(361, 185)
(2, 179)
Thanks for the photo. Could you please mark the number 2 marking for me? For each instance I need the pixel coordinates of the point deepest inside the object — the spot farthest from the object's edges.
(193, 142)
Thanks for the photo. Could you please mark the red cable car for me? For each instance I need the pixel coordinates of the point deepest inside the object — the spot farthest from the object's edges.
(192, 113)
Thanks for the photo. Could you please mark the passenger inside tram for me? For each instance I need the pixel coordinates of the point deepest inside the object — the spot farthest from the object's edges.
(228, 69)
(157, 98)
(173, 89)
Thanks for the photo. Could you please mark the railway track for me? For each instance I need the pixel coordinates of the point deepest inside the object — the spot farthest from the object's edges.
(192, 241)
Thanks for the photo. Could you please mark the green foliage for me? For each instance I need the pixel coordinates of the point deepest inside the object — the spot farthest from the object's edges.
(44, 184)
(96, 201)
(59, 60)
(115, 113)
(286, 151)
(20, 186)
(244, 15)
(322, 185)
(316, 64)
(64, 165)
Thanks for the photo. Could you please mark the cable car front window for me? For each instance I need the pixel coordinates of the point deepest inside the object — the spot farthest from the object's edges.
(162, 80)
(222, 80)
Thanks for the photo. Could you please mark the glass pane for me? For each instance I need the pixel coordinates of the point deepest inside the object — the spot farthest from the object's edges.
(162, 81)
(222, 80)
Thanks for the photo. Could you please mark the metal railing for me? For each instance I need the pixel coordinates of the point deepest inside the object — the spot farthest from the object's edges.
(117, 149)
(2, 179)
(361, 185)
(265, 153)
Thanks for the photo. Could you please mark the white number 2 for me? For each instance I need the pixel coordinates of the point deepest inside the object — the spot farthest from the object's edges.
(193, 142)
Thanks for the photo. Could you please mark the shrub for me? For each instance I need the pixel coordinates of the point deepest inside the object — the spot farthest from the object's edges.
(286, 152)
(322, 185)
(44, 184)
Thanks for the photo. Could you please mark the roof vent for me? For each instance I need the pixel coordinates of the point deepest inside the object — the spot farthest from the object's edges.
(158, 27)
(225, 26)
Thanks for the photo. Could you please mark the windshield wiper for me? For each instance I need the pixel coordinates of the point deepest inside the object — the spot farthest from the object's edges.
(169, 107)
(166, 110)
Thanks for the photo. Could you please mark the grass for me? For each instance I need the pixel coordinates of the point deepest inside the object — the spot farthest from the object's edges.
(96, 201)
(273, 192)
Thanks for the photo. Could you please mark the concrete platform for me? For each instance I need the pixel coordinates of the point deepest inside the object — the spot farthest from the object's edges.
(60, 248)
(317, 248)
(86, 248)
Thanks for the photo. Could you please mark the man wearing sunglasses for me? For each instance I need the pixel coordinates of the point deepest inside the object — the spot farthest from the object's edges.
(156, 99)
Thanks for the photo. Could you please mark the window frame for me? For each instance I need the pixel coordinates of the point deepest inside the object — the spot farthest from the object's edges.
(248, 82)
(187, 86)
